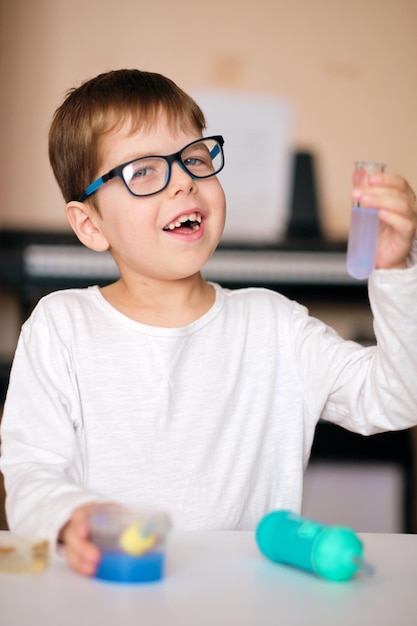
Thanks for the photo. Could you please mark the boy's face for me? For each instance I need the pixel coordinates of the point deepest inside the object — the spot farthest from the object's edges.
(139, 231)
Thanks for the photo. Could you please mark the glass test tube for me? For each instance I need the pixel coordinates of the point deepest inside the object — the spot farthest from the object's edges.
(364, 226)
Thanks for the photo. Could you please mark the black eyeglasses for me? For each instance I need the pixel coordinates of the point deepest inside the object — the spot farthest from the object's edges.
(149, 175)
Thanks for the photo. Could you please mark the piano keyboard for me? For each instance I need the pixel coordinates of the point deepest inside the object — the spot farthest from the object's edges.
(278, 267)
(226, 265)
(66, 261)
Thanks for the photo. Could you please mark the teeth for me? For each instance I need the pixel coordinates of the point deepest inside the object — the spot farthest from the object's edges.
(193, 217)
(182, 219)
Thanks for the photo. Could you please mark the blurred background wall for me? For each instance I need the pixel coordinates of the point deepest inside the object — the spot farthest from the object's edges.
(348, 67)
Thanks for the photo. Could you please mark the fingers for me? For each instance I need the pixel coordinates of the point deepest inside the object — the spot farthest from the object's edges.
(399, 223)
(82, 555)
(388, 192)
(396, 203)
(392, 182)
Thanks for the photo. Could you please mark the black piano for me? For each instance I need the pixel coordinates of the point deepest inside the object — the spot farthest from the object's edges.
(34, 263)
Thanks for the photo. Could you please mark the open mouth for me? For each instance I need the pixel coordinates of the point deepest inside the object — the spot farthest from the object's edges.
(191, 222)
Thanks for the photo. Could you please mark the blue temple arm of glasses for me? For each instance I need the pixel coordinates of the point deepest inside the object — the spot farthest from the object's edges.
(94, 186)
(215, 151)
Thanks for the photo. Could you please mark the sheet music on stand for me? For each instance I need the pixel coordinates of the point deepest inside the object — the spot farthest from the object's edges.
(258, 161)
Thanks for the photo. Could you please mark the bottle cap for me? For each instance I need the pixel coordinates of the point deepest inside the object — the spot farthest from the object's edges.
(337, 553)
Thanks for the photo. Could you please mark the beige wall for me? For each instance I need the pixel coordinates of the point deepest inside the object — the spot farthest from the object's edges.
(347, 66)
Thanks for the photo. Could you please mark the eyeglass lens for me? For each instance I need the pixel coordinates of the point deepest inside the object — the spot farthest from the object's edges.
(149, 175)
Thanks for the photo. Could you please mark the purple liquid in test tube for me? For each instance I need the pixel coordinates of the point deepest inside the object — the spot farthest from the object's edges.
(364, 226)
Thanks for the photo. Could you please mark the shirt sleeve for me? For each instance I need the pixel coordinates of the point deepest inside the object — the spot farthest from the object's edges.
(373, 389)
(42, 436)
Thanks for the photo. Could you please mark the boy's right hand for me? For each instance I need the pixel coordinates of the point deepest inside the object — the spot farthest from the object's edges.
(82, 555)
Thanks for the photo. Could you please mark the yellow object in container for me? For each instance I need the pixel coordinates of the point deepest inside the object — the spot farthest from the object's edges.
(133, 542)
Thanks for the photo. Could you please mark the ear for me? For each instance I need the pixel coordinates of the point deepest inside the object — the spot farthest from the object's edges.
(85, 222)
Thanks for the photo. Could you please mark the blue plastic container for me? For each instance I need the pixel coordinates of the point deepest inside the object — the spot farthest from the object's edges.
(124, 568)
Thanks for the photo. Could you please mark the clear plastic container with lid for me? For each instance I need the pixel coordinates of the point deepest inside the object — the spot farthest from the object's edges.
(132, 543)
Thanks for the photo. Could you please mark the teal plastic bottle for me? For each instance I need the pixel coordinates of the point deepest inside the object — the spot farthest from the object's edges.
(333, 552)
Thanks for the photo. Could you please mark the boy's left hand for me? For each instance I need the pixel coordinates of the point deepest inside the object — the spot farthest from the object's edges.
(397, 209)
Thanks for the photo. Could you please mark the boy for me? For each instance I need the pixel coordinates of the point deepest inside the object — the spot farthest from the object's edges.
(162, 389)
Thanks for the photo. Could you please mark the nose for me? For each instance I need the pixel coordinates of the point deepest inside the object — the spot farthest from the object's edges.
(180, 179)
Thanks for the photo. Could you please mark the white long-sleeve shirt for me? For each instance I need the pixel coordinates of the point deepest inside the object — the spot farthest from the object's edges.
(212, 422)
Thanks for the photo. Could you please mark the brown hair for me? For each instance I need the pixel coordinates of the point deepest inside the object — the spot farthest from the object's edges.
(102, 104)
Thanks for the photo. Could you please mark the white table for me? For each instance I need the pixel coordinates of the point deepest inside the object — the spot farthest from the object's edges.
(220, 578)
